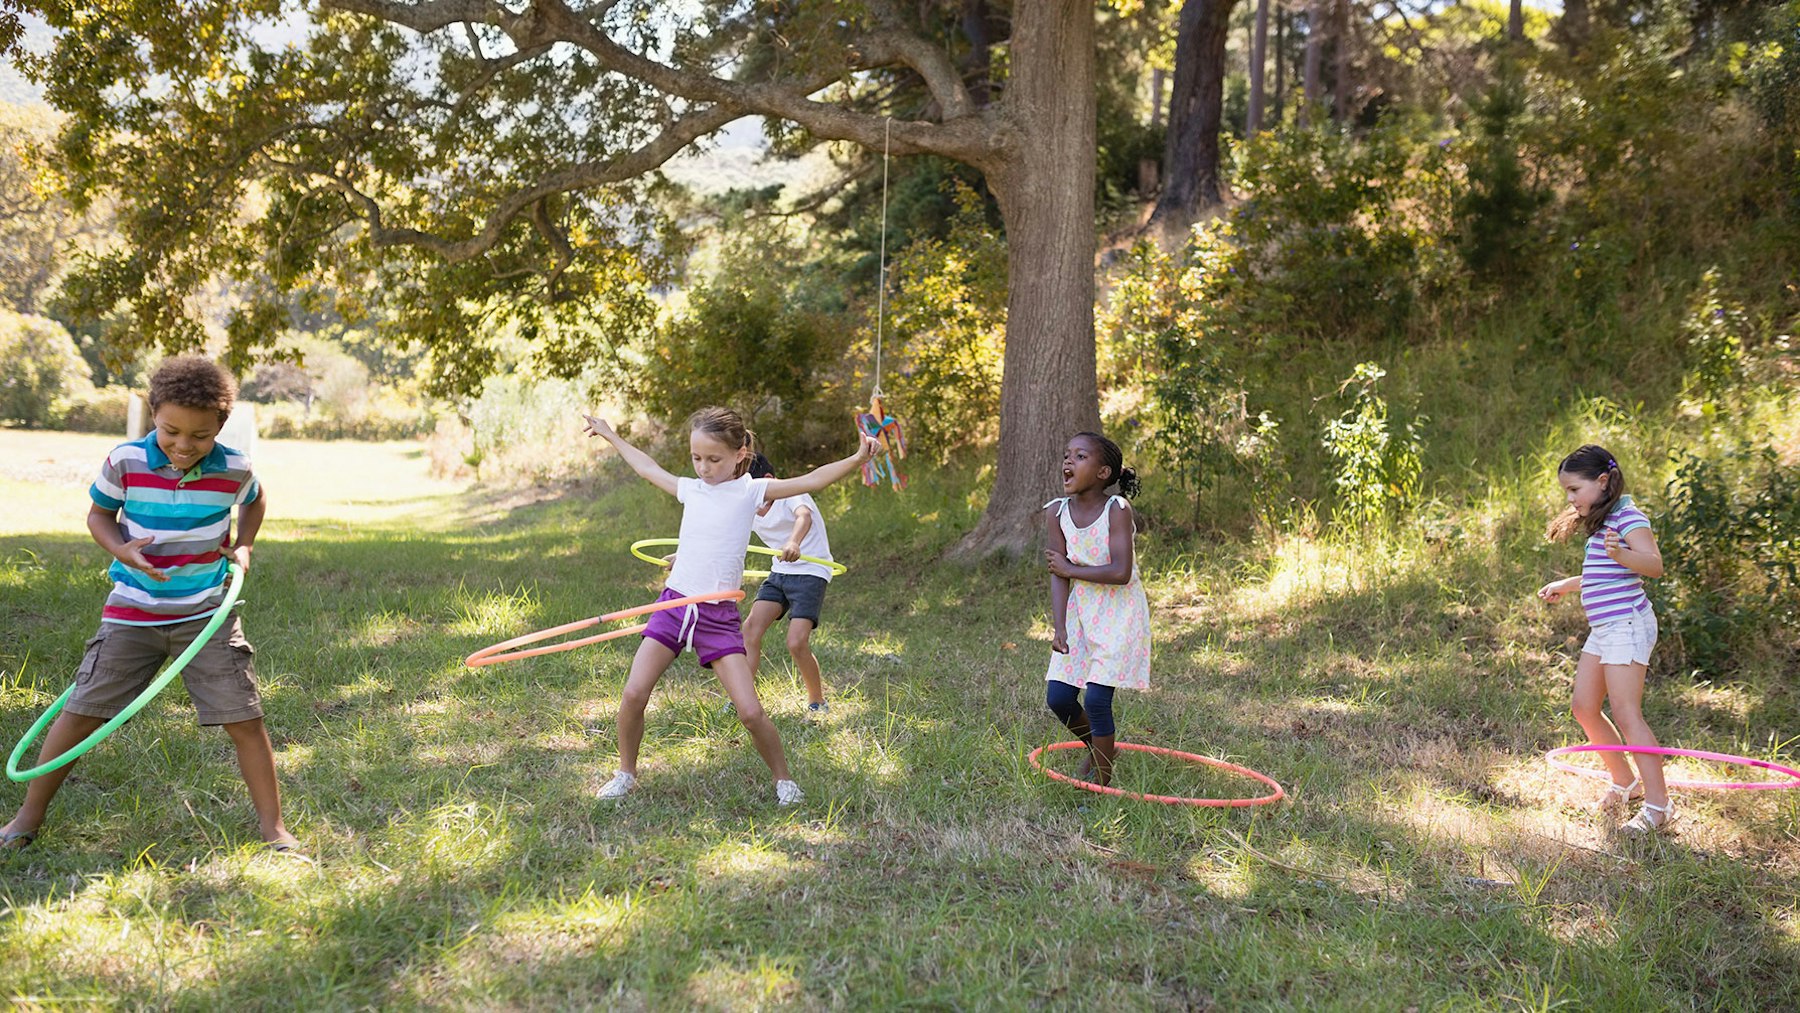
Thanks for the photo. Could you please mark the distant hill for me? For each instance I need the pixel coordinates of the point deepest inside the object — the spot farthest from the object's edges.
(744, 167)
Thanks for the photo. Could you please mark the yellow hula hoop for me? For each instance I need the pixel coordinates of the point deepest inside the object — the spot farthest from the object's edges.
(637, 549)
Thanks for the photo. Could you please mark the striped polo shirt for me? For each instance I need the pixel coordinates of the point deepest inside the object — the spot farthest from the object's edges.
(188, 515)
(1610, 591)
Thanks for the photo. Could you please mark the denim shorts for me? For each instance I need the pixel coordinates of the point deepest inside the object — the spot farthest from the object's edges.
(800, 595)
(1626, 641)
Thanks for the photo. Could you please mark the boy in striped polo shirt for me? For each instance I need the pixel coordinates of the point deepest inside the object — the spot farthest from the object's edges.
(162, 507)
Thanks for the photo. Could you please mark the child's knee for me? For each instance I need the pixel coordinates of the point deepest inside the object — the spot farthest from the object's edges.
(1061, 698)
(753, 716)
(634, 699)
(799, 640)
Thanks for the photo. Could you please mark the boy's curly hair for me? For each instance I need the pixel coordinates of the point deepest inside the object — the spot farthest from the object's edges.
(193, 381)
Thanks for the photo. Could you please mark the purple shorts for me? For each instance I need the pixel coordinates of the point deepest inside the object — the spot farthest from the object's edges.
(711, 628)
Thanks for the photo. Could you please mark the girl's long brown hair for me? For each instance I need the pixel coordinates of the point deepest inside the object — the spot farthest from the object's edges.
(1590, 461)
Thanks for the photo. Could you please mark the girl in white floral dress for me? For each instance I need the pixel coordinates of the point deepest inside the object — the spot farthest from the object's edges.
(1097, 604)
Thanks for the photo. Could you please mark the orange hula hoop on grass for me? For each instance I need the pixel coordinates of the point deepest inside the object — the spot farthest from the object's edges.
(1222, 803)
(502, 651)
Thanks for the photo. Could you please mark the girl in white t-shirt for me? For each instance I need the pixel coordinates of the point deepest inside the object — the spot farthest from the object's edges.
(717, 509)
(795, 587)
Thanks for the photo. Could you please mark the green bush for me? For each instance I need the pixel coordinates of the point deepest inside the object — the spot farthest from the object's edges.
(763, 340)
(289, 422)
(1337, 236)
(1731, 548)
(40, 369)
(100, 410)
(946, 333)
(1154, 336)
(1379, 463)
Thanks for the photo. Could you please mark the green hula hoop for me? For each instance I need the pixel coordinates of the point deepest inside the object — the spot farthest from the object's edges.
(638, 547)
(156, 686)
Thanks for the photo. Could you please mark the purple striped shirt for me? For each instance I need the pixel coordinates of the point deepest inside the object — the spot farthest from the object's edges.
(1609, 590)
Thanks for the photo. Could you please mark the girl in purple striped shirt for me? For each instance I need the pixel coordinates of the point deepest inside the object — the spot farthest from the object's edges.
(1621, 552)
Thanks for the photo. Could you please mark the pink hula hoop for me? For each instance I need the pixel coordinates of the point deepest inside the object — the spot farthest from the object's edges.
(1698, 754)
(502, 651)
(1223, 803)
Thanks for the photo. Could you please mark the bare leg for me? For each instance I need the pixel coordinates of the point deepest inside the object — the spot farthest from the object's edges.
(733, 671)
(1590, 692)
(763, 614)
(256, 761)
(65, 732)
(1625, 687)
(651, 661)
(799, 642)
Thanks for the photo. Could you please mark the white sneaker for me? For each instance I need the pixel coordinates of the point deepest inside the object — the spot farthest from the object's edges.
(620, 786)
(788, 793)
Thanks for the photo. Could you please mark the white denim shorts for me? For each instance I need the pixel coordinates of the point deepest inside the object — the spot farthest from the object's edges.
(1626, 641)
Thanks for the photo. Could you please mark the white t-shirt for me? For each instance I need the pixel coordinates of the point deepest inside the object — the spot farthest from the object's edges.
(777, 526)
(715, 531)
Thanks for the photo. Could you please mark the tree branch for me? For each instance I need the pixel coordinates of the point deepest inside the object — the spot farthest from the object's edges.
(892, 41)
(582, 176)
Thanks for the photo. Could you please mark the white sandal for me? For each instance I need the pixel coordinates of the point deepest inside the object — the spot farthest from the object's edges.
(1642, 824)
(1618, 795)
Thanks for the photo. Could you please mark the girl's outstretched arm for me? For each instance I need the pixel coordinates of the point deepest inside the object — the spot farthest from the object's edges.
(823, 475)
(1118, 544)
(640, 462)
(1059, 586)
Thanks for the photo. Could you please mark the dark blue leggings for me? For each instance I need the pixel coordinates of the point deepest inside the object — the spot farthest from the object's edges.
(1061, 698)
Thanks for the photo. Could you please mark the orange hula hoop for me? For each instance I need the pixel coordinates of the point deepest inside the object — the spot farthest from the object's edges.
(502, 651)
(1223, 803)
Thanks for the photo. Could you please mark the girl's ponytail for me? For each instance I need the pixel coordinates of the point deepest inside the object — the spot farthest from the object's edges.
(1128, 483)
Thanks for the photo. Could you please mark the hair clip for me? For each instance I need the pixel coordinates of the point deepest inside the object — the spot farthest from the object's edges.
(1612, 465)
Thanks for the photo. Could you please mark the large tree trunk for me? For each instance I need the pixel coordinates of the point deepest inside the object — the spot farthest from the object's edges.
(1573, 28)
(1341, 87)
(1315, 59)
(1515, 21)
(1045, 188)
(1259, 57)
(1191, 148)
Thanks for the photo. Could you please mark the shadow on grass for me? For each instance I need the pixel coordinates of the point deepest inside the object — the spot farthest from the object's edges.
(464, 860)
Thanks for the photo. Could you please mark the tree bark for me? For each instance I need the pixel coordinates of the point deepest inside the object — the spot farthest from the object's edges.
(1573, 28)
(1196, 105)
(1045, 188)
(1515, 21)
(1315, 59)
(1341, 91)
(1281, 25)
(1259, 58)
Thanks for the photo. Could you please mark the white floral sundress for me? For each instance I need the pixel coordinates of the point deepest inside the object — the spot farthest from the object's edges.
(1108, 624)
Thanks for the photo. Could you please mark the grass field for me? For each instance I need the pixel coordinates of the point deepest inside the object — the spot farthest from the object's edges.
(1402, 692)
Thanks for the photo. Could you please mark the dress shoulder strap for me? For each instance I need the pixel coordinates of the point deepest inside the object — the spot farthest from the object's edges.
(1061, 503)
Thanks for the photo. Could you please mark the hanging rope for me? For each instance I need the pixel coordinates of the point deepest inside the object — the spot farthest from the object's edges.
(876, 422)
(881, 285)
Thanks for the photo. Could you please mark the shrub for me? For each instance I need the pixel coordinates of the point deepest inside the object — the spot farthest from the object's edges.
(946, 332)
(100, 410)
(1731, 545)
(1154, 331)
(1379, 465)
(40, 369)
